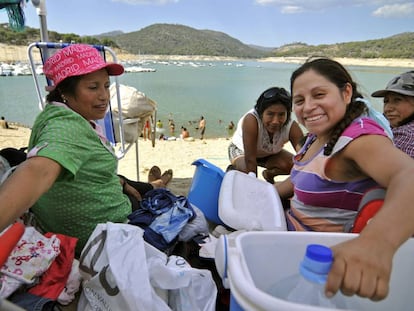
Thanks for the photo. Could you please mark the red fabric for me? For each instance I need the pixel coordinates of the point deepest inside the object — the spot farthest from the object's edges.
(9, 239)
(53, 281)
(365, 214)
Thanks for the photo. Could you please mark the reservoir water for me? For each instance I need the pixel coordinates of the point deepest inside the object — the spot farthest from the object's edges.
(219, 91)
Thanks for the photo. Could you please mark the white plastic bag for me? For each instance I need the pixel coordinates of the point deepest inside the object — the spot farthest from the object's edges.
(188, 288)
(198, 294)
(123, 272)
(114, 267)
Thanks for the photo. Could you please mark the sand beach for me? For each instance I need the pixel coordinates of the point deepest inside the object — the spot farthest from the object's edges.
(177, 155)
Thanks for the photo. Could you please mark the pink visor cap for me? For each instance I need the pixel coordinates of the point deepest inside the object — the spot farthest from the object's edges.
(77, 60)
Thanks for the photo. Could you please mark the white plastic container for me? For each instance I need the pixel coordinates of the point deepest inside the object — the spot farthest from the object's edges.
(248, 203)
(252, 262)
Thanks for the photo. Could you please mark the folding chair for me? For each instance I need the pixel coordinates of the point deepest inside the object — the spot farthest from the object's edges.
(46, 49)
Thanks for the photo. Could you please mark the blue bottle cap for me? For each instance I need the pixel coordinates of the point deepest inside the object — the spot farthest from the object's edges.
(316, 263)
(319, 253)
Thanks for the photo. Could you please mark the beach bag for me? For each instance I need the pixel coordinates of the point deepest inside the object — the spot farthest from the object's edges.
(135, 104)
(136, 109)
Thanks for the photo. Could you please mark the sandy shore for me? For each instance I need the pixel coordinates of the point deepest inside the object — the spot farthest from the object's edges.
(177, 155)
(12, 53)
(375, 62)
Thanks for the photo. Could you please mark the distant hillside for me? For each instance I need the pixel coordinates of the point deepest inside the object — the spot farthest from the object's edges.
(397, 46)
(261, 48)
(109, 34)
(168, 39)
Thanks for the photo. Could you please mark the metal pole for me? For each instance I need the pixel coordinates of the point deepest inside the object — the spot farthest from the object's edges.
(43, 29)
(137, 158)
(40, 6)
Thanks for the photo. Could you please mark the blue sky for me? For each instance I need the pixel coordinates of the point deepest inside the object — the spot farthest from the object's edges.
(270, 23)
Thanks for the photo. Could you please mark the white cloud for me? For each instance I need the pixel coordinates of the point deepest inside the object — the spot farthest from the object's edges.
(137, 2)
(389, 8)
(291, 9)
(298, 6)
(395, 11)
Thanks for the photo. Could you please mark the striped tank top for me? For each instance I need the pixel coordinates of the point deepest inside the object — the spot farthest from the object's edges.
(320, 203)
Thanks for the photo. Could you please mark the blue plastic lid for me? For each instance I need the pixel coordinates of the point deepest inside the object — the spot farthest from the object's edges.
(316, 263)
(319, 252)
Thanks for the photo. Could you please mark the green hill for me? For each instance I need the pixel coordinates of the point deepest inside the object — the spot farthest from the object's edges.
(397, 46)
(166, 39)
(169, 39)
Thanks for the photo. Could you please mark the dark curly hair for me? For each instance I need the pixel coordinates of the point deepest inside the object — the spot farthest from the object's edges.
(274, 96)
(338, 75)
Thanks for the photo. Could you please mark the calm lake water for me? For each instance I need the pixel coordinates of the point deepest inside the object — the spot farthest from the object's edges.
(219, 91)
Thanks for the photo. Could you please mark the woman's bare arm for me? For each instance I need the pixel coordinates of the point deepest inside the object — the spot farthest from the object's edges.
(23, 188)
(296, 136)
(250, 132)
(363, 265)
(284, 188)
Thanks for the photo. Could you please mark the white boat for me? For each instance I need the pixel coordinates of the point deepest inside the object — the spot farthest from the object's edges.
(39, 69)
(139, 69)
(6, 70)
(21, 70)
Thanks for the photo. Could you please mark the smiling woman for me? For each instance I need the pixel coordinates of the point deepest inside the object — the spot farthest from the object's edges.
(333, 171)
(261, 134)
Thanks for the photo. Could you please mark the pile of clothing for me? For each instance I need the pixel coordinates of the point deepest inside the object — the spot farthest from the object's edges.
(41, 271)
(167, 219)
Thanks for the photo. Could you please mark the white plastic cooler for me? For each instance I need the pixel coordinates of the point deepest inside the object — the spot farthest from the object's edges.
(252, 262)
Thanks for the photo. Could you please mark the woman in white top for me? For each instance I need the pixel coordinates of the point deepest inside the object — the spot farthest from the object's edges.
(261, 134)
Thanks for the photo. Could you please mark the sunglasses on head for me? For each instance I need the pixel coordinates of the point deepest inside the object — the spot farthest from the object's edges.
(275, 92)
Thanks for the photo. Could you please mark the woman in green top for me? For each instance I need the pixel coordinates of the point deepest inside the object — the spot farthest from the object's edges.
(70, 177)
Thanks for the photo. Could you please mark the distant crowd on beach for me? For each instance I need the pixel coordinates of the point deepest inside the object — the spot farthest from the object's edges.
(193, 129)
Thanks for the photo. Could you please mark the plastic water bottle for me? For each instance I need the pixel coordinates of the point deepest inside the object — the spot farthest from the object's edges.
(308, 287)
